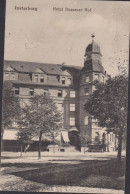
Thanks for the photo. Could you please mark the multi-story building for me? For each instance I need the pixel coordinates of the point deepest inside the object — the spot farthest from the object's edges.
(69, 86)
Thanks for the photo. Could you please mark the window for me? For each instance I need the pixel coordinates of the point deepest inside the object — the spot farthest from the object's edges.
(12, 76)
(86, 120)
(69, 80)
(96, 76)
(60, 107)
(72, 121)
(59, 93)
(35, 78)
(31, 91)
(72, 94)
(86, 91)
(45, 92)
(87, 79)
(94, 88)
(103, 79)
(94, 120)
(63, 80)
(72, 107)
(41, 78)
(16, 90)
(6, 76)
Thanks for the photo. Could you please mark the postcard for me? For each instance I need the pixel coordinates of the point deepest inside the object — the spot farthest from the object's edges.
(65, 96)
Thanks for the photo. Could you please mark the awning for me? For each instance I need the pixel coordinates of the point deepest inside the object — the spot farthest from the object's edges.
(10, 135)
(73, 129)
(65, 136)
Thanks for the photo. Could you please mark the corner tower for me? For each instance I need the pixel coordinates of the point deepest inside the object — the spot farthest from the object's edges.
(93, 57)
(92, 70)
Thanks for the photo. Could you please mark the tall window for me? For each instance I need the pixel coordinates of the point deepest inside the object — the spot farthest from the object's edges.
(60, 107)
(16, 90)
(72, 107)
(6, 76)
(86, 120)
(41, 78)
(63, 80)
(94, 120)
(72, 121)
(59, 93)
(72, 94)
(94, 88)
(86, 91)
(87, 78)
(31, 91)
(35, 78)
(96, 76)
(12, 76)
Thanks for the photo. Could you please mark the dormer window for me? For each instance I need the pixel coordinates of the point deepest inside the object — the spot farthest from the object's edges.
(6, 76)
(41, 78)
(35, 78)
(12, 76)
(63, 80)
(69, 80)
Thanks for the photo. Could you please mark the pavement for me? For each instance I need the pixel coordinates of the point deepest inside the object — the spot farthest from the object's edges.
(57, 157)
(10, 182)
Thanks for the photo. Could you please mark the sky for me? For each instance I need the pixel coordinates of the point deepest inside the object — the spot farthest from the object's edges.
(57, 37)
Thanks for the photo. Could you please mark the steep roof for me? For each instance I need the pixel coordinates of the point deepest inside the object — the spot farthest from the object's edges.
(30, 67)
(25, 69)
(94, 65)
(93, 48)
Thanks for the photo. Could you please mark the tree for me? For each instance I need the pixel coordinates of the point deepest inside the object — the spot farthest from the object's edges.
(10, 106)
(85, 140)
(38, 118)
(24, 136)
(109, 104)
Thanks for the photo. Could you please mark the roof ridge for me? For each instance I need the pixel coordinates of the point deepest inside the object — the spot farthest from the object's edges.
(43, 63)
(32, 62)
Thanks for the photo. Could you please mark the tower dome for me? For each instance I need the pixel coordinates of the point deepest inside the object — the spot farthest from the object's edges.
(93, 48)
(93, 57)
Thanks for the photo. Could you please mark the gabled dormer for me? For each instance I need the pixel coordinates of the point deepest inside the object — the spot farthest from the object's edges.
(39, 76)
(10, 73)
(66, 78)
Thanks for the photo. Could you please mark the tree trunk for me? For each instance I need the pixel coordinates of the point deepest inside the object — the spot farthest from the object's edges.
(21, 147)
(84, 148)
(2, 141)
(54, 148)
(39, 149)
(119, 147)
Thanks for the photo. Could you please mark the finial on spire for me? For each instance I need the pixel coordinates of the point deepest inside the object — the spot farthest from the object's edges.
(93, 35)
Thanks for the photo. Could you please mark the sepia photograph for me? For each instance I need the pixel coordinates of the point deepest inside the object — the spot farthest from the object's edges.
(65, 96)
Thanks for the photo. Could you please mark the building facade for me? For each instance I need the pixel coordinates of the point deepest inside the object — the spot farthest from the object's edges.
(69, 86)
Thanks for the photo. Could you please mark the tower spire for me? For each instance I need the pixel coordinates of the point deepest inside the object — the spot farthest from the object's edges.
(92, 35)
